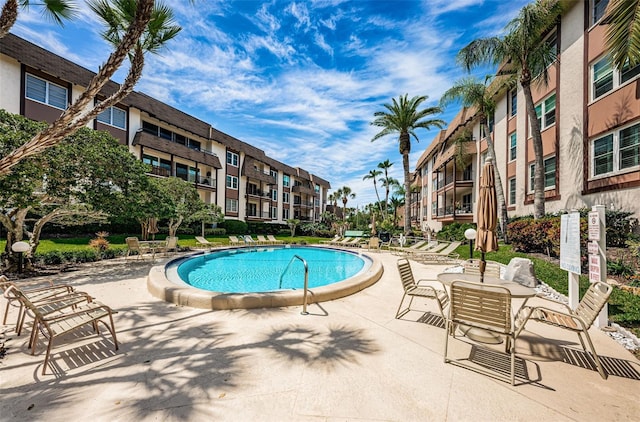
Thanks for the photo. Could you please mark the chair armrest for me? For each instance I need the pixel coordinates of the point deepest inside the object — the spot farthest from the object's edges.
(564, 305)
(544, 308)
(96, 305)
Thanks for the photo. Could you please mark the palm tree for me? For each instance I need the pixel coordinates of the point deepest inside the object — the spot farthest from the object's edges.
(345, 193)
(385, 166)
(134, 27)
(55, 10)
(337, 196)
(373, 174)
(522, 52)
(396, 203)
(623, 33)
(473, 93)
(403, 117)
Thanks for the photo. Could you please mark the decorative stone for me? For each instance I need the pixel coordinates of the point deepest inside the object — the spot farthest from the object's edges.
(521, 271)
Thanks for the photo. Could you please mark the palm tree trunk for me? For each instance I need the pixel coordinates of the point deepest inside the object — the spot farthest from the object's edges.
(375, 187)
(491, 152)
(538, 177)
(8, 16)
(407, 192)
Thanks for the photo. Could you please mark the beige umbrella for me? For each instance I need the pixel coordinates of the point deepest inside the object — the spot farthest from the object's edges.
(153, 227)
(487, 213)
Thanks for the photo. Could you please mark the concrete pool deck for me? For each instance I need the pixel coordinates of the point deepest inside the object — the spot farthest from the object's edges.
(349, 360)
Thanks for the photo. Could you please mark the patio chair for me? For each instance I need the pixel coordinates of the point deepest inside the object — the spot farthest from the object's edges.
(413, 289)
(171, 244)
(444, 256)
(472, 266)
(485, 307)
(579, 320)
(204, 242)
(274, 240)
(58, 324)
(263, 240)
(234, 241)
(373, 244)
(133, 245)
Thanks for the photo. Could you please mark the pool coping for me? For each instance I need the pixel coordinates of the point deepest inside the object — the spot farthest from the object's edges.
(162, 288)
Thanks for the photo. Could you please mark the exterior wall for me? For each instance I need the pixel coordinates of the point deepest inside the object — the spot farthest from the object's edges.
(10, 93)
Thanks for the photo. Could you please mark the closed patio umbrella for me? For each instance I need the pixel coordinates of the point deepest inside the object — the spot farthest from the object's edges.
(487, 214)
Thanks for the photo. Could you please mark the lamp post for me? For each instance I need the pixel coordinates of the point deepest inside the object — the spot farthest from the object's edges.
(20, 248)
(470, 234)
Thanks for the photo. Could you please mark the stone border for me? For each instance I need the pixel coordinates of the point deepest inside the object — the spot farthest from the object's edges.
(162, 288)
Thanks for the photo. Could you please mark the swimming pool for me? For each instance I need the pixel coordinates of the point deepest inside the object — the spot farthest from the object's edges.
(263, 269)
(165, 283)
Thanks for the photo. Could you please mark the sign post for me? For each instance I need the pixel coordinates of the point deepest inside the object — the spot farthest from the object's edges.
(598, 255)
(570, 253)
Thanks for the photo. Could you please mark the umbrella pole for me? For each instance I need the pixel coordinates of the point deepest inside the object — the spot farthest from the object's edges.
(483, 265)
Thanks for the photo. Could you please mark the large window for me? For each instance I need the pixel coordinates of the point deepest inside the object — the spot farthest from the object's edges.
(549, 173)
(231, 205)
(599, 7)
(285, 197)
(546, 112)
(182, 171)
(113, 116)
(513, 143)
(617, 151)
(232, 182)
(46, 92)
(285, 213)
(606, 78)
(512, 191)
(285, 180)
(232, 158)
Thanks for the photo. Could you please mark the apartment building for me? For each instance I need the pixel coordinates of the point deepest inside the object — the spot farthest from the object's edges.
(590, 118)
(226, 171)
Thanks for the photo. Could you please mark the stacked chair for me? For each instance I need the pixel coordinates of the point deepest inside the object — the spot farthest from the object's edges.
(55, 310)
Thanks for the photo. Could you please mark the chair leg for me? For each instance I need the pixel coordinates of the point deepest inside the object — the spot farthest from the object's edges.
(448, 327)
(595, 357)
(398, 313)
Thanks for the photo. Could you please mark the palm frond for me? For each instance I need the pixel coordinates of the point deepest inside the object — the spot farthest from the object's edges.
(623, 34)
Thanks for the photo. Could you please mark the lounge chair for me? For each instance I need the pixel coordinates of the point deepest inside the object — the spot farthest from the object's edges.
(58, 324)
(356, 242)
(444, 256)
(36, 291)
(234, 241)
(416, 245)
(274, 240)
(415, 289)
(335, 239)
(133, 245)
(578, 320)
(250, 240)
(342, 241)
(486, 307)
(204, 242)
(263, 240)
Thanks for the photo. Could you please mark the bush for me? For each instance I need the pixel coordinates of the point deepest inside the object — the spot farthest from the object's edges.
(62, 257)
(218, 231)
(620, 225)
(234, 226)
(454, 232)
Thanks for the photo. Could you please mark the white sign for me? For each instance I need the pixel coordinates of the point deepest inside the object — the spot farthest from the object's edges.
(570, 242)
(594, 225)
(594, 268)
(592, 248)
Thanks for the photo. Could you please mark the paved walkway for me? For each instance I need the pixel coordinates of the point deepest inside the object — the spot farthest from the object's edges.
(350, 360)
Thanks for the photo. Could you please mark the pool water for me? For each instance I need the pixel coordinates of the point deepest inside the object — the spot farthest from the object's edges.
(262, 269)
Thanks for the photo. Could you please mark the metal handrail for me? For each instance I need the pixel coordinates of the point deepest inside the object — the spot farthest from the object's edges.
(306, 281)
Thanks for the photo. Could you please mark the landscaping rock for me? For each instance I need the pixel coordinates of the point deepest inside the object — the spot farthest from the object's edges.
(521, 271)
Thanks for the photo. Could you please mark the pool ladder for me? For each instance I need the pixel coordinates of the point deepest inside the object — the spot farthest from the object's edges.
(306, 281)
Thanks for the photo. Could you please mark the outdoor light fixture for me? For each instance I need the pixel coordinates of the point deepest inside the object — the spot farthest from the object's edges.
(20, 248)
(470, 234)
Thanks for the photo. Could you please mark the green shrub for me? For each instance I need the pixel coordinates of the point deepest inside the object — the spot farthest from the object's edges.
(620, 226)
(234, 226)
(619, 267)
(218, 231)
(454, 231)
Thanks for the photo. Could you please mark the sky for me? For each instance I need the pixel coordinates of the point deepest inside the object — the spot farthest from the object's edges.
(299, 80)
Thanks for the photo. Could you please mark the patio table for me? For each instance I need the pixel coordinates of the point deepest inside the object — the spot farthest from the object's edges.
(153, 246)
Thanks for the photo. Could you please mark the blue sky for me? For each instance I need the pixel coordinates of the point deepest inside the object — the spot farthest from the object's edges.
(300, 80)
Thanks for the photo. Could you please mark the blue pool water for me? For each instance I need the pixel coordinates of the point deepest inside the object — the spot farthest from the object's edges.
(260, 269)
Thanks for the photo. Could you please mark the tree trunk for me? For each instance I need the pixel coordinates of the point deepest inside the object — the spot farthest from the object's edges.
(502, 209)
(375, 187)
(407, 193)
(8, 16)
(538, 177)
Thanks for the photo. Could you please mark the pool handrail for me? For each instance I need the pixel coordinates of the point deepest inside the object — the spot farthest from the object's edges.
(306, 280)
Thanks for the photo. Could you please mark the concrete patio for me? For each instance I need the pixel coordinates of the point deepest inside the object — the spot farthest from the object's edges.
(350, 359)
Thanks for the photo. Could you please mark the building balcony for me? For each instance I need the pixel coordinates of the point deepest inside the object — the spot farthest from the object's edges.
(147, 140)
(303, 189)
(262, 216)
(201, 181)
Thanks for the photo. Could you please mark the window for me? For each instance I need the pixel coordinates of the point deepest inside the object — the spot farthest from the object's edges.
(285, 214)
(274, 213)
(232, 182)
(232, 158)
(182, 171)
(252, 210)
(512, 191)
(193, 174)
(616, 151)
(316, 188)
(513, 102)
(231, 205)
(46, 92)
(149, 128)
(148, 159)
(285, 180)
(549, 173)
(274, 173)
(165, 134)
(552, 43)
(606, 78)
(274, 194)
(513, 142)
(285, 197)
(546, 112)
(490, 123)
(599, 7)
(114, 117)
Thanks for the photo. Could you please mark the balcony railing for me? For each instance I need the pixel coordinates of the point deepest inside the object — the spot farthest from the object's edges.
(200, 180)
(266, 215)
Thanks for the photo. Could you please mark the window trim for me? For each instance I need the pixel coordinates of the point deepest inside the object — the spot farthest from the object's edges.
(231, 201)
(46, 93)
(616, 78)
(595, 20)
(615, 152)
(512, 192)
(232, 182)
(513, 147)
(235, 159)
(544, 112)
